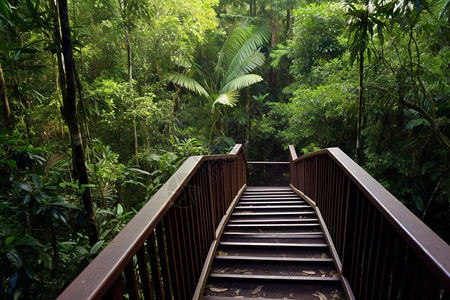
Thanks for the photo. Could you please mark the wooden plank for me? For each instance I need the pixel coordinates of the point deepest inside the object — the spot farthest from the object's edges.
(273, 277)
(274, 259)
(299, 245)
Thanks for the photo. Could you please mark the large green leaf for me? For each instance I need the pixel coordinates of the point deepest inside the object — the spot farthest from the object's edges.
(241, 44)
(229, 98)
(241, 82)
(251, 62)
(188, 83)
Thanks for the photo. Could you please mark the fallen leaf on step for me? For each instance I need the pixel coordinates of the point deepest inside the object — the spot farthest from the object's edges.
(217, 290)
(324, 255)
(335, 297)
(257, 289)
(222, 253)
(320, 295)
(309, 272)
(248, 273)
(334, 274)
(241, 270)
(237, 291)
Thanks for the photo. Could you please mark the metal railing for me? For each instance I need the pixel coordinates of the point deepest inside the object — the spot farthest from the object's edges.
(385, 251)
(161, 252)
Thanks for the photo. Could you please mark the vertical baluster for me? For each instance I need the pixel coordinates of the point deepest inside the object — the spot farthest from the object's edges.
(182, 251)
(408, 270)
(205, 216)
(388, 254)
(163, 259)
(374, 233)
(362, 263)
(417, 284)
(115, 292)
(154, 265)
(131, 282)
(397, 269)
(374, 280)
(175, 272)
(195, 220)
(342, 219)
(144, 273)
(431, 286)
(356, 241)
(211, 199)
(186, 231)
(348, 229)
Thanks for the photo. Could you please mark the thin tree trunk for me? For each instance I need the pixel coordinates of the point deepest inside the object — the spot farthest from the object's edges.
(358, 156)
(247, 126)
(69, 112)
(130, 83)
(6, 111)
(288, 21)
(274, 26)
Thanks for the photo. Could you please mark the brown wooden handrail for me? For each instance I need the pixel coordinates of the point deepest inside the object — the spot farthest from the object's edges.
(386, 252)
(160, 252)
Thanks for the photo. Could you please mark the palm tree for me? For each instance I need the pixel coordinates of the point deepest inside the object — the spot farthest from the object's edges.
(361, 29)
(239, 56)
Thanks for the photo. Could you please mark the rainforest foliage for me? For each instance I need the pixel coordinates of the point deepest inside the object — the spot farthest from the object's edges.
(102, 100)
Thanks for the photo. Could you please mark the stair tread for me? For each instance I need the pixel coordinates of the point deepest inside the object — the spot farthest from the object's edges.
(272, 247)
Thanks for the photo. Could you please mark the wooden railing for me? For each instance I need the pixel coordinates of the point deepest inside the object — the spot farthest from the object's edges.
(161, 252)
(384, 251)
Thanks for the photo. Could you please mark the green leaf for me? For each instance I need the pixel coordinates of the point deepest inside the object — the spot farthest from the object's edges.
(228, 99)
(14, 257)
(4, 9)
(119, 210)
(8, 240)
(23, 186)
(25, 198)
(417, 122)
(188, 83)
(139, 171)
(11, 163)
(241, 82)
(36, 180)
(96, 247)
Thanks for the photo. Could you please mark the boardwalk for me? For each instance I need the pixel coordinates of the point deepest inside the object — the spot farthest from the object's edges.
(273, 247)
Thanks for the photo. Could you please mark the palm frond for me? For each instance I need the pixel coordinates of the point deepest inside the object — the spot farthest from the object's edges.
(229, 98)
(186, 82)
(251, 62)
(232, 45)
(241, 82)
(256, 38)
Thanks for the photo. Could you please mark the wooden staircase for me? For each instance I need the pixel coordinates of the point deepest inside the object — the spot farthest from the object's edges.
(273, 247)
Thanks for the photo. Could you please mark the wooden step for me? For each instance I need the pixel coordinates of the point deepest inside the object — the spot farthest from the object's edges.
(273, 247)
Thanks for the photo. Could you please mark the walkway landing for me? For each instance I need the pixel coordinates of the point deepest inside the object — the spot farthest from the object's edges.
(273, 247)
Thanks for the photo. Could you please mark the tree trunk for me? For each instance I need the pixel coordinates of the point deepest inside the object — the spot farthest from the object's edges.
(274, 26)
(4, 104)
(248, 123)
(288, 21)
(358, 155)
(69, 112)
(130, 83)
